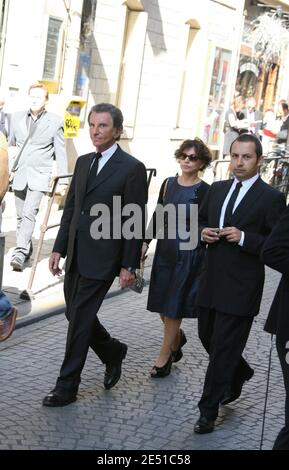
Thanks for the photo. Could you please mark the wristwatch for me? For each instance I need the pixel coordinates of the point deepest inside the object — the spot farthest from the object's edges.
(130, 269)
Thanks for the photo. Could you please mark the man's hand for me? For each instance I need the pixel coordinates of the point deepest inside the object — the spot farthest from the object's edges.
(54, 264)
(126, 278)
(232, 234)
(210, 235)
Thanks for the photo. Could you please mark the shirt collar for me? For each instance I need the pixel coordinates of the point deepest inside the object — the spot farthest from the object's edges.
(109, 152)
(29, 114)
(247, 183)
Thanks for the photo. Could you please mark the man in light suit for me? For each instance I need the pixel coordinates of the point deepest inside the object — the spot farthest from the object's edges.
(91, 263)
(235, 219)
(39, 136)
(276, 255)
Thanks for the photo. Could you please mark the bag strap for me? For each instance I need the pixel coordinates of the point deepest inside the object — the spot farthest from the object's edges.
(165, 189)
(29, 136)
(142, 266)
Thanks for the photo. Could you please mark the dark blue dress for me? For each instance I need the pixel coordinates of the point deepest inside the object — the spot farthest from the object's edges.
(174, 276)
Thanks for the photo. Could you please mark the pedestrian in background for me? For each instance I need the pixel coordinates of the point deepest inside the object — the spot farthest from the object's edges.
(276, 255)
(93, 263)
(4, 117)
(8, 315)
(235, 123)
(282, 135)
(174, 275)
(39, 136)
(4, 172)
(7, 312)
(235, 219)
(254, 117)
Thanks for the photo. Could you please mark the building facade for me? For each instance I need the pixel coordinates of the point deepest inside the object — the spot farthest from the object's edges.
(170, 65)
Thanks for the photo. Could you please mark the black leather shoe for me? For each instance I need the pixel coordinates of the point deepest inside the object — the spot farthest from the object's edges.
(113, 371)
(59, 398)
(178, 354)
(235, 390)
(157, 372)
(204, 425)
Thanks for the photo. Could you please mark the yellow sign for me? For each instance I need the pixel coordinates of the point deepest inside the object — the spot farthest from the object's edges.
(51, 85)
(72, 117)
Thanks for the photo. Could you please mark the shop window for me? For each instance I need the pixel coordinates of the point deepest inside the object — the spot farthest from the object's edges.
(50, 70)
(131, 67)
(217, 95)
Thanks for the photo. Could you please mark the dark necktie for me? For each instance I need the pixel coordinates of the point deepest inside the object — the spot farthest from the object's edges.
(93, 170)
(230, 206)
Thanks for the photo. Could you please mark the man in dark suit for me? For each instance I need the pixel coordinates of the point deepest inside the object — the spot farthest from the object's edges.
(92, 262)
(235, 219)
(276, 255)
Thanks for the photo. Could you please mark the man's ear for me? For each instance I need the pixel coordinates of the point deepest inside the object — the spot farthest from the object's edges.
(260, 160)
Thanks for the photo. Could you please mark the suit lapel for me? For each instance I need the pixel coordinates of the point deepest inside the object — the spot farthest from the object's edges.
(84, 175)
(109, 169)
(248, 201)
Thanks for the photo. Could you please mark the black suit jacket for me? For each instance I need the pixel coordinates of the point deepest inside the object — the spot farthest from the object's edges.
(124, 176)
(233, 276)
(276, 255)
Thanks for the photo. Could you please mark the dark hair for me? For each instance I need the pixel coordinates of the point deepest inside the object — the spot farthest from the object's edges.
(202, 151)
(116, 114)
(284, 106)
(250, 138)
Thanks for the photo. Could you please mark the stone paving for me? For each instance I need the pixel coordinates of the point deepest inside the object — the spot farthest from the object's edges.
(140, 412)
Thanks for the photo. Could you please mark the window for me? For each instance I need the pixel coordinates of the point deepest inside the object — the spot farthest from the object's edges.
(131, 67)
(51, 52)
(216, 101)
(186, 100)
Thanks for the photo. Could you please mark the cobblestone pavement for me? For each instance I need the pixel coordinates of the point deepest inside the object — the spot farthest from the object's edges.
(139, 413)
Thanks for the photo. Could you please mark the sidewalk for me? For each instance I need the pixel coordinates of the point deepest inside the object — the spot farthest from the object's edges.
(47, 290)
(139, 412)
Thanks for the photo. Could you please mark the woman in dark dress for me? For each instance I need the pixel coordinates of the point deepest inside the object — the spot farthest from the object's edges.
(174, 283)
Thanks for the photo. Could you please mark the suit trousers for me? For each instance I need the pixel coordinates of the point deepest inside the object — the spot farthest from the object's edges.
(224, 337)
(282, 440)
(27, 204)
(83, 299)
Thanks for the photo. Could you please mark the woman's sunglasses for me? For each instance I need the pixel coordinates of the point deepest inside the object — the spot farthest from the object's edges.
(192, 158)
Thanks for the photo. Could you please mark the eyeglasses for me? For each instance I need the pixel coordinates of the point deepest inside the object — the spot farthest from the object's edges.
(192, 158)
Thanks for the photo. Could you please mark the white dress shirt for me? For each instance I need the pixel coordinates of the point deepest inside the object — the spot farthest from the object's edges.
(246, 185)
(105, 156)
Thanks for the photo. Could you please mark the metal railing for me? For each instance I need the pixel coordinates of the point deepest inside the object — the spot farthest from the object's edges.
(27, 294)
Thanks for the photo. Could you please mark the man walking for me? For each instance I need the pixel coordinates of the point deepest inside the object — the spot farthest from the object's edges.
(92, 264)
(8, 313)
(276, 255)
(38, 134)
(235, 219)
